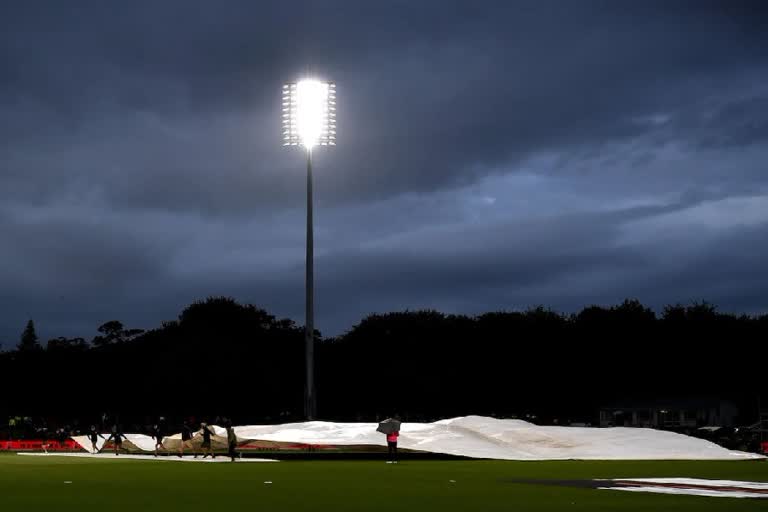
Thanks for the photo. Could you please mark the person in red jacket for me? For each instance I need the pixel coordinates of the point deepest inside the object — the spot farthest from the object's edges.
(392, 444)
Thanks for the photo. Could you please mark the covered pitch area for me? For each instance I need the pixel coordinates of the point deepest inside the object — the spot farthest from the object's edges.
(468, 436)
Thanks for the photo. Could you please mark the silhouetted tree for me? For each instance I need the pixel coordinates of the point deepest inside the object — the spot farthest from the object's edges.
(114, 332)
(632, 311)
(424, 365)
(29, 341)
(674, 314)
(61, 344)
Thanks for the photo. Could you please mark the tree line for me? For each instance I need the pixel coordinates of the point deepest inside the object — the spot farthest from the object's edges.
(222, 358)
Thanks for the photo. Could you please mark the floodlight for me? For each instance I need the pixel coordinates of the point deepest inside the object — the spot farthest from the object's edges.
(309, 113)
(309, 120)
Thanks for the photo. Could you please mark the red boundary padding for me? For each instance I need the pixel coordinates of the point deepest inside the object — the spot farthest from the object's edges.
(37, 445)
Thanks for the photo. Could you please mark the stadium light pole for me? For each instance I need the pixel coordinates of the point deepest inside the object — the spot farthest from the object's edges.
(309, 120)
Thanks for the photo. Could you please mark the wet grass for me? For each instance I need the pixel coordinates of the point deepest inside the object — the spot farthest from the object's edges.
(38, 484)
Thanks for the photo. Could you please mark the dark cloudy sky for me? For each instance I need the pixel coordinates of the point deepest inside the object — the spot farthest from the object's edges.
(492, 155)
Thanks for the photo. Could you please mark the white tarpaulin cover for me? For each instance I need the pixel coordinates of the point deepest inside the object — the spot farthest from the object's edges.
(692, 486)
(479, 437)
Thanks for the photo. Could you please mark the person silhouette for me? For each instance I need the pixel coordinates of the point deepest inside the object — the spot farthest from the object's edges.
(206, 445)
(158, 433)
(231, 440)
(186, 439)
(117, 437)
(94, 436)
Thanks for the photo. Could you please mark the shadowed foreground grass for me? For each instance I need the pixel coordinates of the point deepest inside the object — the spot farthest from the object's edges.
(37, 484)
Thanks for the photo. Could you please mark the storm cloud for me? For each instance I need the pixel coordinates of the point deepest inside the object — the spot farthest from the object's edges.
(492, 155)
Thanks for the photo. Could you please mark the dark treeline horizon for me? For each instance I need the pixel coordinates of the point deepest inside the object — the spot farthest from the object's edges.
(222, 358)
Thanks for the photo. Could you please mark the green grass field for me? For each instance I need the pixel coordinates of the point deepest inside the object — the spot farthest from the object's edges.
(37, 484)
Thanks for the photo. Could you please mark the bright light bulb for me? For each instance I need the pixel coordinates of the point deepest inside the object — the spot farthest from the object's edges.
(311, 111)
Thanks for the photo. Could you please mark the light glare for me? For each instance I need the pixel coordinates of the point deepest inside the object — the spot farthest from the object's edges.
(309, 117)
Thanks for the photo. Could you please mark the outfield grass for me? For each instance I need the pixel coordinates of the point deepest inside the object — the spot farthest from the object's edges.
(37, 484)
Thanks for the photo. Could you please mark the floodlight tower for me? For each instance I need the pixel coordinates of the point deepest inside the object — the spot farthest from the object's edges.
(309, 120)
